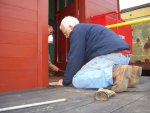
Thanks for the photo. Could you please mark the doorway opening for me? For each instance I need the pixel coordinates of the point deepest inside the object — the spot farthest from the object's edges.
(58, 45)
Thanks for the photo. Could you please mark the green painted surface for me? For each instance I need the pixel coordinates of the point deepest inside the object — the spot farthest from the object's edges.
(69, 2)
(61, 4)
(51, 16)
(51, 10)
(51, 50)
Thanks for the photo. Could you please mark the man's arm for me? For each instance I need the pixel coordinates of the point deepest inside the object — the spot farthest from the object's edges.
(75, 57)
(52, 66)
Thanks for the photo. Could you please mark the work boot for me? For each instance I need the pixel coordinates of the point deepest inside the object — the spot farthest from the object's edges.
(121, 75)
(104, 94)
(135, 76)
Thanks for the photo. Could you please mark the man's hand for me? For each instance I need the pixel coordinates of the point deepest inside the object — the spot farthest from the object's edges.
(53, 67)
(60, 82)
(56, 84)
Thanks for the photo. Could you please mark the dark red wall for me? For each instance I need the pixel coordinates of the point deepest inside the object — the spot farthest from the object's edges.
(97, 7)
(23, 53)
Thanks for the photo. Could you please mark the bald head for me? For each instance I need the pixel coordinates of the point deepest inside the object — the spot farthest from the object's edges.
(67, 25)
(69, 21)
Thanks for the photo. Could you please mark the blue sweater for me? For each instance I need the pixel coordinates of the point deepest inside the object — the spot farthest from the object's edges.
(88, 41)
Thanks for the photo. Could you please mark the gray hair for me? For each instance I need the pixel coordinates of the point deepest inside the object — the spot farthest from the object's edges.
(69, 21)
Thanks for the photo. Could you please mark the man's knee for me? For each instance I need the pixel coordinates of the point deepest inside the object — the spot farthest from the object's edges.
(77, 83)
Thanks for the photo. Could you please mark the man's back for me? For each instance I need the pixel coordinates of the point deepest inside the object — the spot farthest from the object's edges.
(98, 40)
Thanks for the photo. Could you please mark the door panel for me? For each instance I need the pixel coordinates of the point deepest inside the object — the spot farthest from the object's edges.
(23, 49)
(62, 44)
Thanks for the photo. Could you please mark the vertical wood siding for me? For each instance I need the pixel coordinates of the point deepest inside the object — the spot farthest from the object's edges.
(18, 44)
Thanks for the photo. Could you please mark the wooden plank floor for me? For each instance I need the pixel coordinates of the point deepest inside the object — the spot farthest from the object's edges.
(135, 100)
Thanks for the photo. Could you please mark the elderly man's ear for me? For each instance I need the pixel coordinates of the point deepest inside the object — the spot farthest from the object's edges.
(71, 27)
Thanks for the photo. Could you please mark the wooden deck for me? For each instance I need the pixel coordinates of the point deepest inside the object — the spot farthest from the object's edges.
(135, 100)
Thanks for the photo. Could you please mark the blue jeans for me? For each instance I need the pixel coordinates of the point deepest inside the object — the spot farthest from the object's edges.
(97, 73)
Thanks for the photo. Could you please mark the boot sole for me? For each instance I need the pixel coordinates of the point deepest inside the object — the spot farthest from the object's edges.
(99, 95)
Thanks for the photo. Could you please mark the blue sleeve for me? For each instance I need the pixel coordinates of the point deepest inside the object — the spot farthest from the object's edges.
(75, 58)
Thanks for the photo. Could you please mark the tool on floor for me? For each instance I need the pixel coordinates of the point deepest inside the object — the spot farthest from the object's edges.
(54, 85)
(104, 94)
(31, 105)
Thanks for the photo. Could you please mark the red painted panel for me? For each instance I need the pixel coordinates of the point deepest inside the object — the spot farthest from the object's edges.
(42, 43)
(23, 44)
(10, 50)
(17, 80)
(18, 25)
(17, 12)
(97, 7)
(14, 63)
(17, 73)
(126, 33)
(18, 38)
(27, 4)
